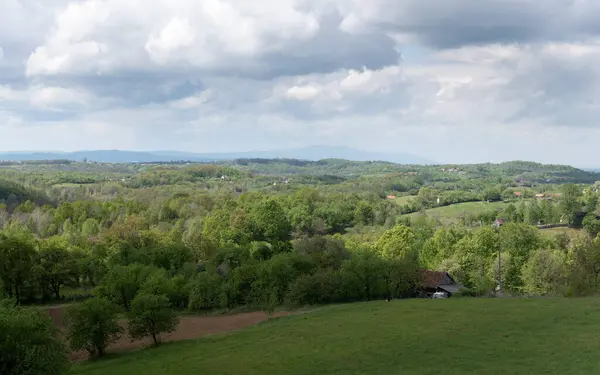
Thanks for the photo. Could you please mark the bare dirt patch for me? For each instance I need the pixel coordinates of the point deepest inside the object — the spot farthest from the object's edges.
(190, 327)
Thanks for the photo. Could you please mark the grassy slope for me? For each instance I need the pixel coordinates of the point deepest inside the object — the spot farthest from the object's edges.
(452, 213)
(404, 200)
(468, 336)
(552, 232)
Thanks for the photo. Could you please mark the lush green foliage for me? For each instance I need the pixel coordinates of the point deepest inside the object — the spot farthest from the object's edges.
(92, 326)
(29, 343)
(263, 232)
(259, 232)
(151, 315)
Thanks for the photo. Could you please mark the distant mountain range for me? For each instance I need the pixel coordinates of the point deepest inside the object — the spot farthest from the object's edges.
(306, 153)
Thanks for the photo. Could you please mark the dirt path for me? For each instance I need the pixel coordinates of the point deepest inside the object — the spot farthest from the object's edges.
(190, 327)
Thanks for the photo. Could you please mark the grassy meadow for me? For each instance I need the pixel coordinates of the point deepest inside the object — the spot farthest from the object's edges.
(454, 336)
(552, 232)
(404, 200)
(452, 213)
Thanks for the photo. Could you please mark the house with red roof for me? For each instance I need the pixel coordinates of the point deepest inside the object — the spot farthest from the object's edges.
(435, 281)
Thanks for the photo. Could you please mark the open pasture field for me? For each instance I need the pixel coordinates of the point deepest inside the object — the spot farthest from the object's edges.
(452, 213)
(454, 336)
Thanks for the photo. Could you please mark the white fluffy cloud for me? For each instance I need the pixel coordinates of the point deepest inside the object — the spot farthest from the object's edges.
(449, 80)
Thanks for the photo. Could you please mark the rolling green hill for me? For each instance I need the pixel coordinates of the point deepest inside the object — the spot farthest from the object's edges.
(11, 191)
(455, 336)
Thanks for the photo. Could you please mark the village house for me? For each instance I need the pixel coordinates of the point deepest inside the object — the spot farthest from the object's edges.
(434, 281)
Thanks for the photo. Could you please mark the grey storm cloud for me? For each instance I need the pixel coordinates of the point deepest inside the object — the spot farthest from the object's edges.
(456, 23)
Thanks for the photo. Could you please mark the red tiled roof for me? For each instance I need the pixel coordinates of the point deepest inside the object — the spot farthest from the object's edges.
(431, 279)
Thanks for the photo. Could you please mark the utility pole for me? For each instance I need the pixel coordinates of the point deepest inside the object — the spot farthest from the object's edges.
(499, 293)
(497, 225)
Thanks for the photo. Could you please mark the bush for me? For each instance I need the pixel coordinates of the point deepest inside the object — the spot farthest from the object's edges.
(93, 325)
(29, 343)
(151, 315)
(465, 293)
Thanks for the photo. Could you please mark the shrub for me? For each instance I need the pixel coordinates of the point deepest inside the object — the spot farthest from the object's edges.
(151, 315)
(93, 325)
(29, 343)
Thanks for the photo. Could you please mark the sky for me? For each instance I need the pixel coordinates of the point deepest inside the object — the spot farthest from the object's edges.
(456, 81)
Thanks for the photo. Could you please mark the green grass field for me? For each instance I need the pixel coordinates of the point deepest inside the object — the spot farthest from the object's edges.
(551, 232)
(452, 213)
(454, 336)
(404, 200)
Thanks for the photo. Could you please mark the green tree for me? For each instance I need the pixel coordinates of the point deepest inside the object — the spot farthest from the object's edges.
(591, 224)
(56, 266)
(492, 194)
(30, 343)
(584, 266)
(90, 228)
(510, 213)
(206, 291)
(396, 242)
(439, 247)
(93, 325)
(534, 213)
(17, 262)
(520, 240)
(545, 273)
(275, 276)
(151, 315)
(364, 214)
(325, 252)
(363, 276)
(562, 240)
(224, 228)
(122, 283)
(302, 207)
(548, 212)
(570, 201)
(471, 259)
(272, 224)
(202, 248)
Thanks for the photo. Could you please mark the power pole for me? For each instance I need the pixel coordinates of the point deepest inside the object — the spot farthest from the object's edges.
(499, 274)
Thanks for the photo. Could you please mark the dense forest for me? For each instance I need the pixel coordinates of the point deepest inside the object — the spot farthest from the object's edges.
(268, 232)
